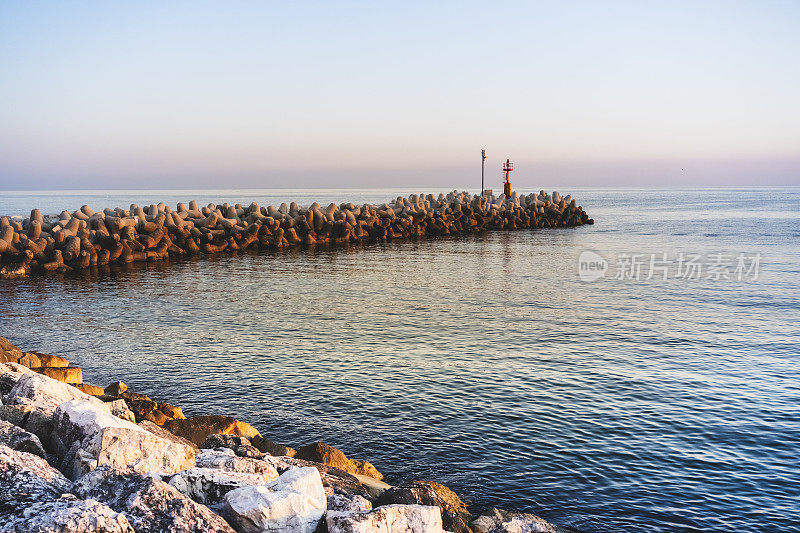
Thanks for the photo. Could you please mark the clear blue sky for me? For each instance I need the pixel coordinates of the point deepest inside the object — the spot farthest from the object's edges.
(287, 94)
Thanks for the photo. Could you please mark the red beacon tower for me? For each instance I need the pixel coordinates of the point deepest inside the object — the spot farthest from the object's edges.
(507, 168)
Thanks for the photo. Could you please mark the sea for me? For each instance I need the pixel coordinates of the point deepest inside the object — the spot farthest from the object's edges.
(641, 374)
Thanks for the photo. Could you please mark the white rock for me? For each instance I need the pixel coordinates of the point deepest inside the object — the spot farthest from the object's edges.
(227, 460)
(45, 394)
(294, 503)
(68, 515)
(86, 436)
(18, 439)
(388, 518)
(349, 503)
(148, 503)
(210, 485)
(121, 410)
(500, 521)
(26, 479)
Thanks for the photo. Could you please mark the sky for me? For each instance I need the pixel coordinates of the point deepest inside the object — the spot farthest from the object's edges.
(143, 95)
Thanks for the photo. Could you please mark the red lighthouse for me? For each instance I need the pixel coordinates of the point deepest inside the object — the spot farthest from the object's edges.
(507, 168)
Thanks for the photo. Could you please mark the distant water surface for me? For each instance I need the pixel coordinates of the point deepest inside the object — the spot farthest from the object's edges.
(483, 362)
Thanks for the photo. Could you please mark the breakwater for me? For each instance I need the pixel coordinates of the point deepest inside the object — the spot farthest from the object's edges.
(86, 238)
(76, 457)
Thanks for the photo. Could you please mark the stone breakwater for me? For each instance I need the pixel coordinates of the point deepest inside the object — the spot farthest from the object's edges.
(78, 458)
(85, 238)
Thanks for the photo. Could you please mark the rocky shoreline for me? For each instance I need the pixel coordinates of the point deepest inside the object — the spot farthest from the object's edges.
(77, 458)
(87, 239)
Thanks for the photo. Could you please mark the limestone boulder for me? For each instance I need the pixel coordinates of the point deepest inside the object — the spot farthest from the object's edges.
(86, 436)
(9, 353)
(240, 445)
(120, 409)
(10, 373)
(116, 389)
(226, 460)
(20, 440)
(198, 428)
(293, 503)
(210, 485)
(159, 431)
(455, 516)
(71, 375)
(326, 454)
(91, 390)
(390, 518)
(45, 393)
(272, 448)
(26, 479)
(148, 503)
(170, 410)
(50, 361)
(354, 503)
(500, 521)
(334, 481)
(69, 515)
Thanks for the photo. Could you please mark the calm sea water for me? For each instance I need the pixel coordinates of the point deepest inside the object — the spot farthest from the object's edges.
(484, 362)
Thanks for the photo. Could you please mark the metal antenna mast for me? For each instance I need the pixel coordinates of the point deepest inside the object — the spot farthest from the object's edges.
(483, 162)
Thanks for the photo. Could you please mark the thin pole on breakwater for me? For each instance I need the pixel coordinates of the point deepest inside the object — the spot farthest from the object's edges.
(483, 162)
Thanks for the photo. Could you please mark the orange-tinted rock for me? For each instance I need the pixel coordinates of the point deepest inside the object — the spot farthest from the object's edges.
(157, 417)
(52, 361)
(89, 389)
(116, 388)
(198, 428)
(326, 454)
(273, 448)
(171, 411)
(71, 375)
(30, 360)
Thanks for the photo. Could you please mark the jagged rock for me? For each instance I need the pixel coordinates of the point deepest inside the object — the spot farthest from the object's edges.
(116, 388)
(272, 448)
(69, 515)
(293, 503)
(71, 375)
(15, 414)
(159, 431)
(9, 353)
(50, 361)
(10, 374)
(224, 459)
(148, 503)
(334, 481)
(240, 445)
(365, 468)
(171, 411)
(141, 408)
(30, 360)
(42, 395)
(26, 479)
(198, 428)
(455, 516)
(373, 487)
(120, 409)
(354, 503)
(326, 454)
(86, 436)
(91, 390)
(500, 521)
(20, 440)
(389, 518)
(210, 485)
(45, 393)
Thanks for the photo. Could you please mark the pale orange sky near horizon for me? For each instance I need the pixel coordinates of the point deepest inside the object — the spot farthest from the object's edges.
(306, 94)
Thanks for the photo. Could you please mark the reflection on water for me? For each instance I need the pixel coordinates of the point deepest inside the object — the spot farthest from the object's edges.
(484, 362)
